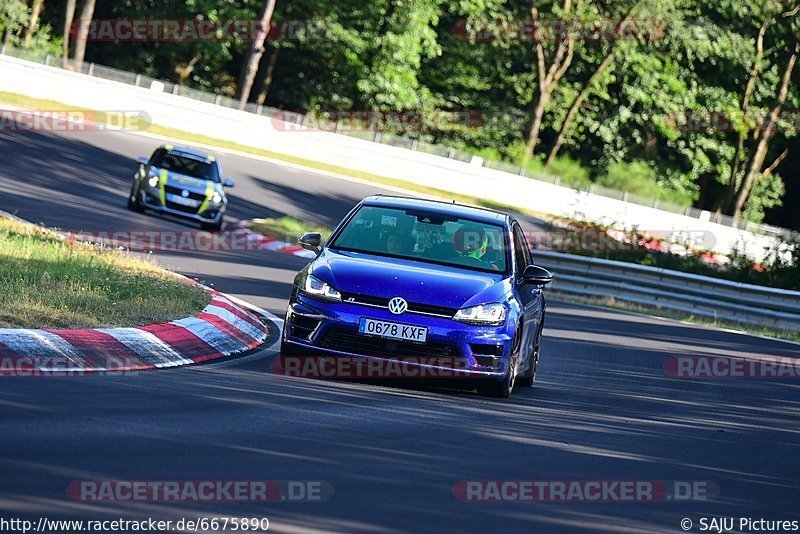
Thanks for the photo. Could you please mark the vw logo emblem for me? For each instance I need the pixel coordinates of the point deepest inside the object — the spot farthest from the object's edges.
(398, 305)
(185, 193)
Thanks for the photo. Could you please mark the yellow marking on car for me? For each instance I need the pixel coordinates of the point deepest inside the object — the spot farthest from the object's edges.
(209, 193)
(162, 185)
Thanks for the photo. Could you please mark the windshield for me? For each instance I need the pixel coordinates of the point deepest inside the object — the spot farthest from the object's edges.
(187, 165)
(427, 237)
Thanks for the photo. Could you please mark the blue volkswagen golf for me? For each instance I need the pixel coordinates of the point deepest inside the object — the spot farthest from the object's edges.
(423, 283)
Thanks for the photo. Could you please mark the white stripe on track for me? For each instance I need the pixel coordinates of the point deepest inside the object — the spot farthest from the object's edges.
(237, 322)
(148, 346)
(212, 335)
(40, 344)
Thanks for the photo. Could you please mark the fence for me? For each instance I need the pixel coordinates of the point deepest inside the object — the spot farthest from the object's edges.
(700, 296)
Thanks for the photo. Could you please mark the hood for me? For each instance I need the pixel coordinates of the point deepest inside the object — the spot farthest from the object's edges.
(384, 277)
(193, 185)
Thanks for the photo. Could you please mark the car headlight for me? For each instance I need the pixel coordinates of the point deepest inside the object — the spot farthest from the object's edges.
(488, 314)
(216, 198)
(317, 288)
(153, 181)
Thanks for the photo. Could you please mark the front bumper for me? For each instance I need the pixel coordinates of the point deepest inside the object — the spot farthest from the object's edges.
(213, 214)
(331, 328)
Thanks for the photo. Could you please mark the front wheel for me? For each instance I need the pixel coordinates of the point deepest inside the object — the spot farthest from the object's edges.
(500, 389)
(134, 202)
(528, 377)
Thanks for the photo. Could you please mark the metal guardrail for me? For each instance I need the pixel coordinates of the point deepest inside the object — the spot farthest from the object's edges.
(700, 296)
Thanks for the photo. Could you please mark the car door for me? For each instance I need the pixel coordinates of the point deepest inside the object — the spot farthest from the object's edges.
(530, 297)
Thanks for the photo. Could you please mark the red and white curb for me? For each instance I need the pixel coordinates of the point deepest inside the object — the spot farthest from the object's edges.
(262, 242)
(222, 329)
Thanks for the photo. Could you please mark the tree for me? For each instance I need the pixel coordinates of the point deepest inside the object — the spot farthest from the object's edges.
(764, 133)
(589, 86)
(33, 22)
(549, 75)
(87, 14)
(69, 16)
(250, 68)
(13, 15)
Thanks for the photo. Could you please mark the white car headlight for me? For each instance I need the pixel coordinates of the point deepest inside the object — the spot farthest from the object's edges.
(488, 314)
(153, 181)
(216, 198)
(319, 289)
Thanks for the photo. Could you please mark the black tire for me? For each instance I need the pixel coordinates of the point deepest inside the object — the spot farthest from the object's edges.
(134, 202)
(527, 379)
(500, 389)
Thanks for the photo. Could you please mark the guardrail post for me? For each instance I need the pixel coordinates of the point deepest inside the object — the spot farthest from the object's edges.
(413, 142)
(138, 80)
(47, 60)
(91, 69)
(217, 99)
(175, 89)
(452, 153)
(377, 138)
(655, 203)
(2, 50)
(259, 109)
(625, 196)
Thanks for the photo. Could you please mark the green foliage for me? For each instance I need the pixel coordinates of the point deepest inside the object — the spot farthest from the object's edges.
(640, 178)
(687, 57)
(13, 15)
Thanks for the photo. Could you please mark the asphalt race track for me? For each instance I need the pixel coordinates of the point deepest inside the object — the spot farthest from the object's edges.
(603, 407)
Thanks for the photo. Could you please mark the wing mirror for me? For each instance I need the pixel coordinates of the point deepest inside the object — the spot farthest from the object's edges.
(539, 276)
(228, 182)
(311, 241)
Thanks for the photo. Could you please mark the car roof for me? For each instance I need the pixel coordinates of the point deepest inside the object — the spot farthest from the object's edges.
(464, 211)
(190, 151)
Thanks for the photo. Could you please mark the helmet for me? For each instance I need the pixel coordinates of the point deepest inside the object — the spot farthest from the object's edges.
(471, 242)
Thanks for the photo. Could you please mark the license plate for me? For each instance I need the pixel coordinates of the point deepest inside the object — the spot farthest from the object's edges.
(175, 199)
(387, 329)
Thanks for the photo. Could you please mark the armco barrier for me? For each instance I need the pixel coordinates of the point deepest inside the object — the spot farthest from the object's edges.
(701, 296)
(204, 118)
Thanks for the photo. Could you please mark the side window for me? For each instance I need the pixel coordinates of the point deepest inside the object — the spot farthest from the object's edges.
(521, 254)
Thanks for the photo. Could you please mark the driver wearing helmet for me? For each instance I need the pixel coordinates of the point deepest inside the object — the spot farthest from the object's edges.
(471, 245)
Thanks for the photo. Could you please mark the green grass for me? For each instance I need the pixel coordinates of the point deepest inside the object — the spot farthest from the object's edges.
(286, 228)
(47, 282)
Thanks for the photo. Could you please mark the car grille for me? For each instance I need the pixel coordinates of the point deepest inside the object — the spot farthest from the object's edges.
(180, 207)
(413, 307)
(178, 190)
(345, 340)
(301, 326)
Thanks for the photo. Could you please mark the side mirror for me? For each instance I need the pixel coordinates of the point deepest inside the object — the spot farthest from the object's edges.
(143, 160)
(311, 241)
(228, 182)
(536, 275)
